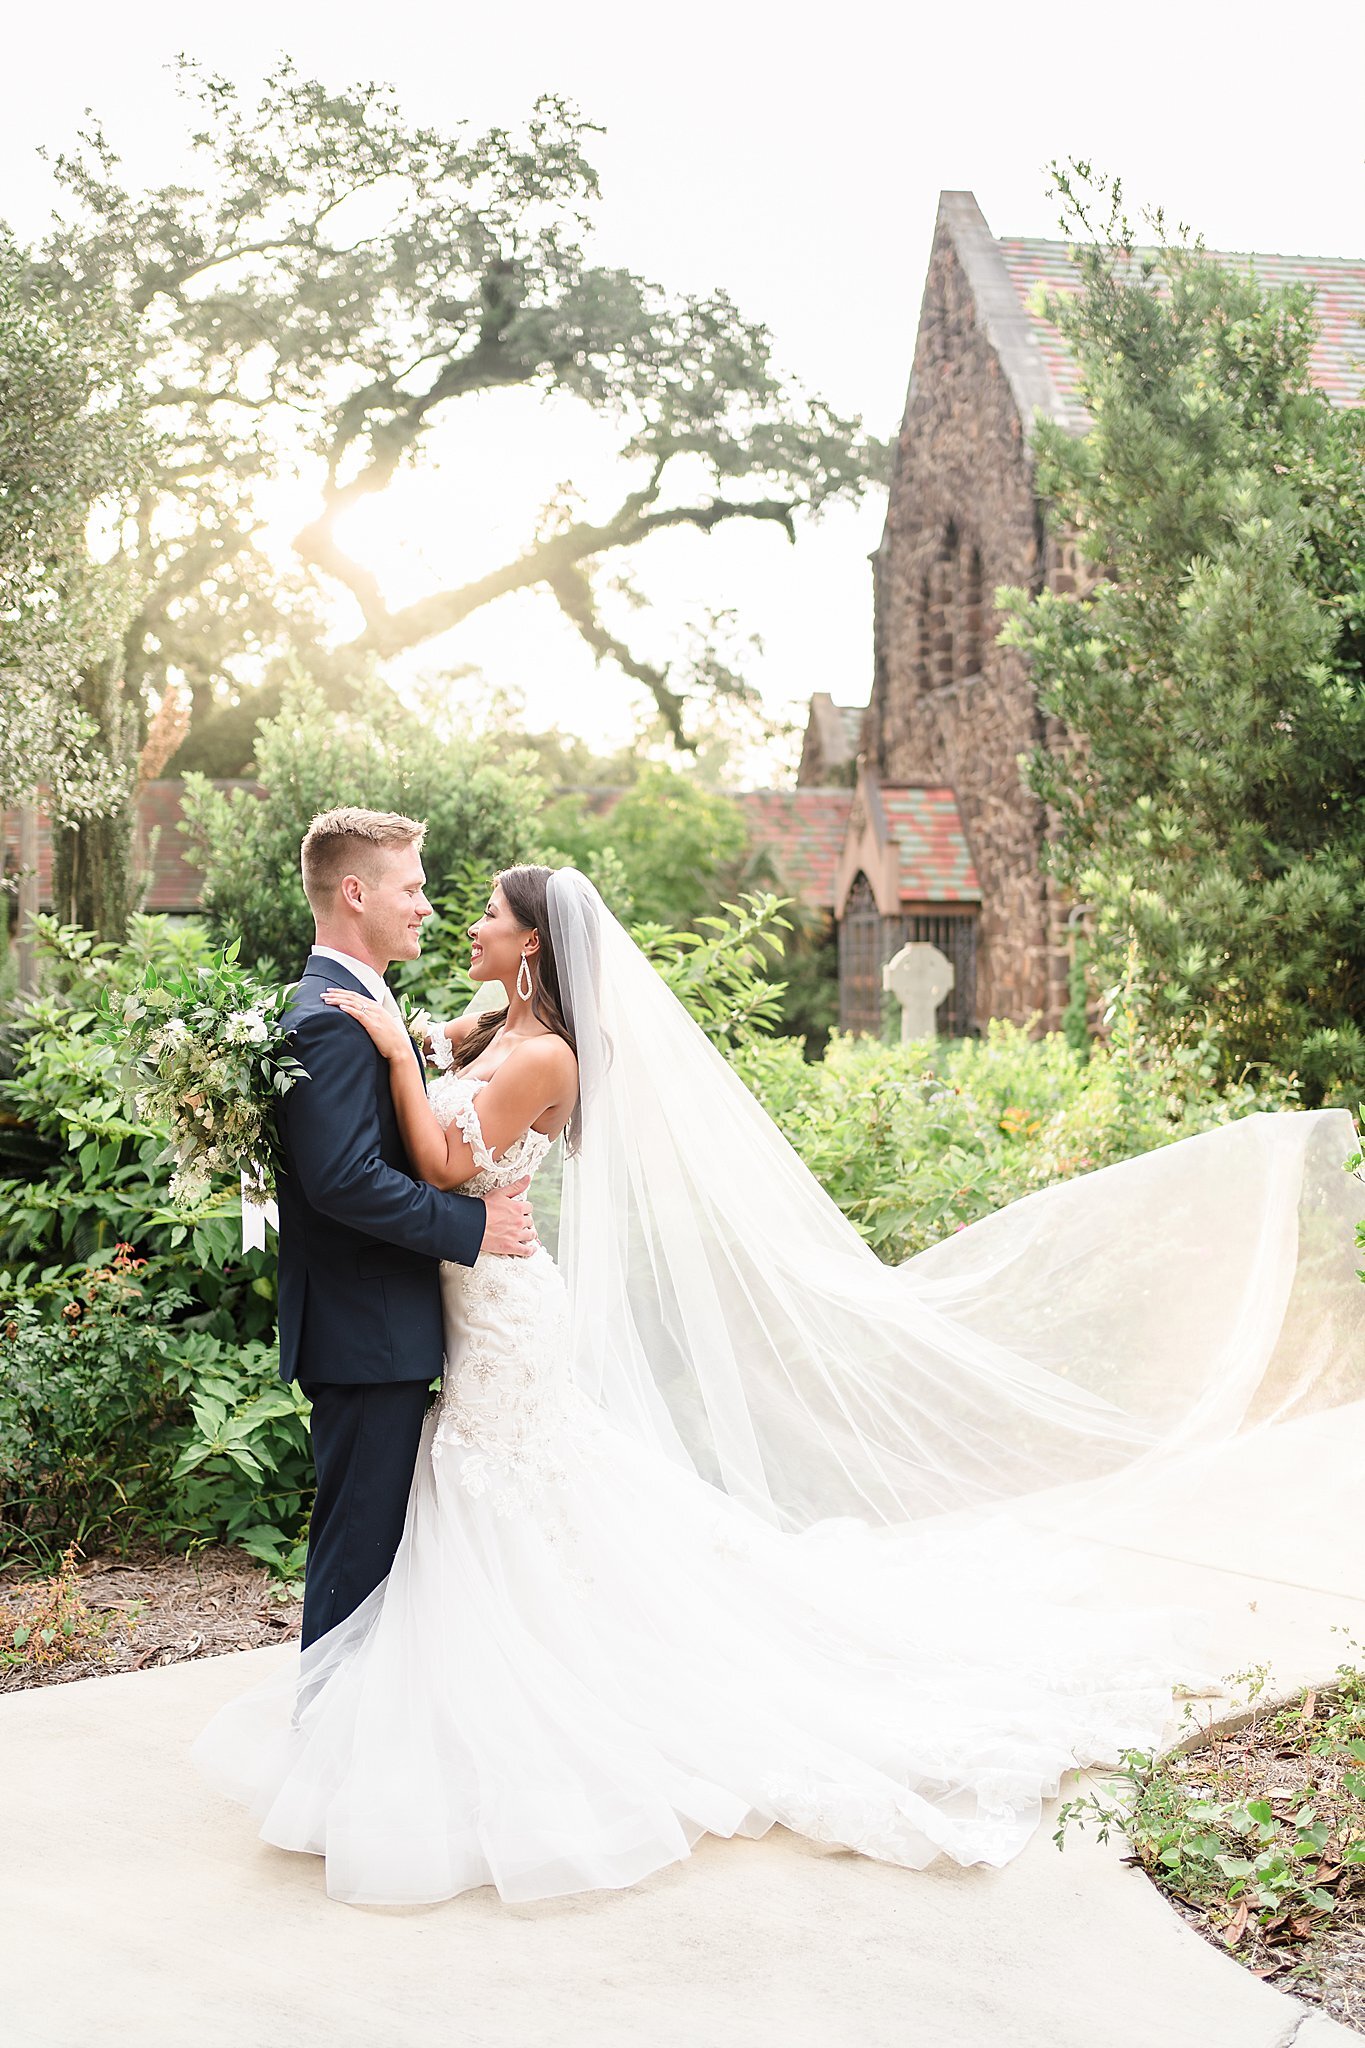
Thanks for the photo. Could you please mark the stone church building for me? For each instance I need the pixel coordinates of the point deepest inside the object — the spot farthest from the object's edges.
(950, 711)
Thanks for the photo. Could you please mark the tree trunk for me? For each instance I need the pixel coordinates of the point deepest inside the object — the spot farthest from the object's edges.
(94, 882)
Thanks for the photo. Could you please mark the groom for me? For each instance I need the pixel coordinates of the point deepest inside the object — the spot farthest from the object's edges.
(360, 1238)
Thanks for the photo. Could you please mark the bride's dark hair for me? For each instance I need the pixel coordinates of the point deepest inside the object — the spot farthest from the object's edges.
(524, 891)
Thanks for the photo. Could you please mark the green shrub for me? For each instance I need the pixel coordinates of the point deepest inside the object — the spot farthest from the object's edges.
(112, 1298)
(312, 758)
(914, 1141)
(121, 1423)
(679, 846)
(85, 1455)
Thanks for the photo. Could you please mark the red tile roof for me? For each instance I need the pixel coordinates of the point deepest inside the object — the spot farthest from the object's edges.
(936, 864)
(1339, 285)
(802, 831)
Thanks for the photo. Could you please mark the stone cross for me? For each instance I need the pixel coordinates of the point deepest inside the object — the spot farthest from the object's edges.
(919, 977)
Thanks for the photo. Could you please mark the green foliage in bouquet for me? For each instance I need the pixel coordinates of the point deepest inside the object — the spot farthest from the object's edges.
(207, 1056)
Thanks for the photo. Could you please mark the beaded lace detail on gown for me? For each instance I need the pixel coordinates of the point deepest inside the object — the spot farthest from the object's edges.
(507, 1395)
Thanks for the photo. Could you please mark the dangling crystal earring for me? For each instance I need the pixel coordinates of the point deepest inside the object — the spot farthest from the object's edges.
(524, 970)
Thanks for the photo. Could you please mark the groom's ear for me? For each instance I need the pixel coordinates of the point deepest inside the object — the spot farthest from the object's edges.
(352, 891)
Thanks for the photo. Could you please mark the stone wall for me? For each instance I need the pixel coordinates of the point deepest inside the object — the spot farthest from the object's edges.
(948, 705)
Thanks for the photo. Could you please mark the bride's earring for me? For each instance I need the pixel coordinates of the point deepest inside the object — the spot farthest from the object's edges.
(524, 971)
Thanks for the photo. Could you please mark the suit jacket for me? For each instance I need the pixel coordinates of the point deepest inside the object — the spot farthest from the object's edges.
(360, 1238)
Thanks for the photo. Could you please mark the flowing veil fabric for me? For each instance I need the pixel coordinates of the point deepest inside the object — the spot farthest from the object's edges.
(1063, 1352)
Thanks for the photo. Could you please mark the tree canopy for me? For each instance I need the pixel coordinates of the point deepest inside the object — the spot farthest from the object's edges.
(1208, 779)
(71, 448)
(338, 279)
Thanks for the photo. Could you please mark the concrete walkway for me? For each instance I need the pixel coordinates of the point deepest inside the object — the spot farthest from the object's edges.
(136, 1908)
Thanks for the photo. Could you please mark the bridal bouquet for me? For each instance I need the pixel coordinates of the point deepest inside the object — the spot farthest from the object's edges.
(205, 1053)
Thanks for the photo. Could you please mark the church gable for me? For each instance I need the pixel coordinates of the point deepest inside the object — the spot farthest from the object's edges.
(950, 707)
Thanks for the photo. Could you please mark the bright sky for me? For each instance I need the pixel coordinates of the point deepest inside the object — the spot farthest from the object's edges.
(795, 157)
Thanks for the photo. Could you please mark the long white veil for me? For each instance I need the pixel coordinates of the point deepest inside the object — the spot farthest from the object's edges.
(725, 1310)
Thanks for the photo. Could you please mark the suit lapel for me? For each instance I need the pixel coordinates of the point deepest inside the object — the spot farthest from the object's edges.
(327, 973)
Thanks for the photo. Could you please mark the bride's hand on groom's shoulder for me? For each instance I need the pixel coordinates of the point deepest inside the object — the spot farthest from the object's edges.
(510, 1231)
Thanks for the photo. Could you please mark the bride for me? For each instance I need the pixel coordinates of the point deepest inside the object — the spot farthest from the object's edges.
(719, 1522)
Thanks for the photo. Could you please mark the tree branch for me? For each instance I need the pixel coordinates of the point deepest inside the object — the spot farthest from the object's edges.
(548, 562)
(573, 593)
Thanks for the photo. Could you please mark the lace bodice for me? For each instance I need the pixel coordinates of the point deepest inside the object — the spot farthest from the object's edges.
(452, 1098)
(508, 1397)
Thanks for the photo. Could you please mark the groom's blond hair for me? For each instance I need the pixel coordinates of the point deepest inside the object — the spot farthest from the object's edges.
(350, 842)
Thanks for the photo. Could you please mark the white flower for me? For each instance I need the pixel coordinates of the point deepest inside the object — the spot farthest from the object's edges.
(175, 1027)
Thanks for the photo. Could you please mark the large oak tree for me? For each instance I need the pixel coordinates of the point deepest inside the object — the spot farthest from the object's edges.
(326, 291)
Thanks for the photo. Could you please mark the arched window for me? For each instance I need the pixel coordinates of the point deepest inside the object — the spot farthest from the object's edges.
(970, 585)
(920, 638)
(860, 960)
(941, 609)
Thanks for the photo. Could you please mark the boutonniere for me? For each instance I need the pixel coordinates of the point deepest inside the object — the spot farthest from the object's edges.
(419, 1026)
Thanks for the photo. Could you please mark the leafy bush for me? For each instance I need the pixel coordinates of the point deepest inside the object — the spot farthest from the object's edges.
(679, 846)
(720, 971)
(914, 1141)
(84, 1450)
(310, 759)
(113, 1300)
(243, 1472)
(78, 1175)
(120, 1422)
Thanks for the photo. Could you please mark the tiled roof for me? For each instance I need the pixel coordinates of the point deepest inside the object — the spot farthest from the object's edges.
(1338, 283)
(802, 831)
(174, 886)
(936, 865)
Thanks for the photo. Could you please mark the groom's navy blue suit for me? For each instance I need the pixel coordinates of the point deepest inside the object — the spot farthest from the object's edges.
(360, 1295)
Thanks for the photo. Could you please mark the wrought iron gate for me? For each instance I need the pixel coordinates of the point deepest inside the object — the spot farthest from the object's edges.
(867, 941)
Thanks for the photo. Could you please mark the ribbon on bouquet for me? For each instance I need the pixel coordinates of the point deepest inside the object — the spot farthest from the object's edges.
(255, 1216)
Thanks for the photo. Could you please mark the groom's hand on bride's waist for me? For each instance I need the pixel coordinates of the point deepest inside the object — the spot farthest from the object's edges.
(509, 1232)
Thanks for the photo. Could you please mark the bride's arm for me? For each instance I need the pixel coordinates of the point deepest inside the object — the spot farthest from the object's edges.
(539, 1076)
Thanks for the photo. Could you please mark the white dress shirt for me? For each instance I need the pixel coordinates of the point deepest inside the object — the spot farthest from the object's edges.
(374, 983)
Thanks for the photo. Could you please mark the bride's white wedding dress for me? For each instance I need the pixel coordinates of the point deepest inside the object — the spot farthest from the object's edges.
(723, 1533)
(586, 1656)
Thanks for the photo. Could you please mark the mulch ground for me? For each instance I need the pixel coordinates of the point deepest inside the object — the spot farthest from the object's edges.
(134, 1614)
(1321, 1962)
